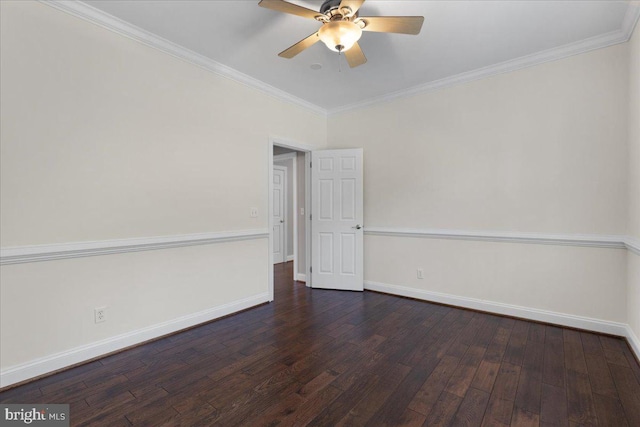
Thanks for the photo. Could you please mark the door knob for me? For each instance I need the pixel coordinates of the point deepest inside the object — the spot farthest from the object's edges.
(357, 227)
(282, 221)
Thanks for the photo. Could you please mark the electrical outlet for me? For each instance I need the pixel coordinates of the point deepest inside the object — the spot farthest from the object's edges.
(420, 273)
(253, 213)
(100, 314)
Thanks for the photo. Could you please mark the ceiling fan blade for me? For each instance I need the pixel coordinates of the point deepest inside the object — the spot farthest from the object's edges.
(355, 56)
(300, 46)
(393, 24)
(286, 7)
(354, 5)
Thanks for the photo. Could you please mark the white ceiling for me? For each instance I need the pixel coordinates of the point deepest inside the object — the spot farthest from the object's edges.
(459, 38)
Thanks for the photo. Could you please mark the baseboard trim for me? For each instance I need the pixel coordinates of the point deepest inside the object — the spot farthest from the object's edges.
(572, 321)
(44, 365)
(633, 341)
(301, 277)
(24, 254)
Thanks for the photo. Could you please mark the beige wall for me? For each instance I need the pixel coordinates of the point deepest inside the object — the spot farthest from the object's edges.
(105, 138)
(633, 300)
(543, 149)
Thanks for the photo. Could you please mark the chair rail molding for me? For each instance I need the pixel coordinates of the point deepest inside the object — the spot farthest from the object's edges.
(24, 254)
(592, 240)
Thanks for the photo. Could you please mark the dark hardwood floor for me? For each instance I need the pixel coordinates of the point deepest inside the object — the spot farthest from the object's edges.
(329, 358)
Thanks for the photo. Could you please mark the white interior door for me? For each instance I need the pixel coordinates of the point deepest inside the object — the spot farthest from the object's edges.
(336, 219)
(279, 194)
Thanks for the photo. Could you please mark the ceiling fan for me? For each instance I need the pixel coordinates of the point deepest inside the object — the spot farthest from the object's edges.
(342, 27)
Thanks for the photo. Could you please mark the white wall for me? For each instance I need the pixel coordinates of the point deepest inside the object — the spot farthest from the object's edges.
(633, 263)
(540, 150)
(105, 138)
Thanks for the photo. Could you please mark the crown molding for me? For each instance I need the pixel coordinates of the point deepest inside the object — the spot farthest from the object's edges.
(631, 19)
(110, 22)
(24, 254)
(605, 40)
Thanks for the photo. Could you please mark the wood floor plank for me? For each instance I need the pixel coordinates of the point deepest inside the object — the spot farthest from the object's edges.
(444, 410)
(553, 365)
(506, 383)
(573, 352)
(497, 347)
(609, 411)
(553, 409)
(580, 399)
(523, 418)
(486, 375)
(321, 357)
(600, 375)
(428, 394)
(515, 351)
(462, 377)
(591, 343)
(472, 408)
(628, 391)
(529, 391)
(498, 413)
(391, 375)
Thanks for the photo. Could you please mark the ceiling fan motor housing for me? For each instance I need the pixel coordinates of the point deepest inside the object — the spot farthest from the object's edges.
(329, 5)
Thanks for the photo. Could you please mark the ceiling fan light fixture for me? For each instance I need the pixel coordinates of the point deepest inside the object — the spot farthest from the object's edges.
(340, 36)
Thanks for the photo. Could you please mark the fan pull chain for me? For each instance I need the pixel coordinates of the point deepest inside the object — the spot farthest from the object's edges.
(339, 63)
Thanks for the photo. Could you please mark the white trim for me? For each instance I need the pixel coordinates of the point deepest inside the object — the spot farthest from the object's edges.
(283, 157)
(23, 254)
(632, 244)
(110, 22)
(270, 270)
(630, 20)
(301, 277)
(41, 366)
(633, 340)
(582, 46)
(294, 193)
(592, 240)
(572, 321)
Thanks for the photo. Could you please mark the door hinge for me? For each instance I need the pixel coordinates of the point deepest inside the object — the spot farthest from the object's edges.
(310, 269)
(310, 217)
(310, 164)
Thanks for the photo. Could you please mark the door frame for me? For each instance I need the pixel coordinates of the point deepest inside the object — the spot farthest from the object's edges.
(285, 201)
(306, 149)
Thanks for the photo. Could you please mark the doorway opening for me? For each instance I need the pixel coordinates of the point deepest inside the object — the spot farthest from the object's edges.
(289, 210)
